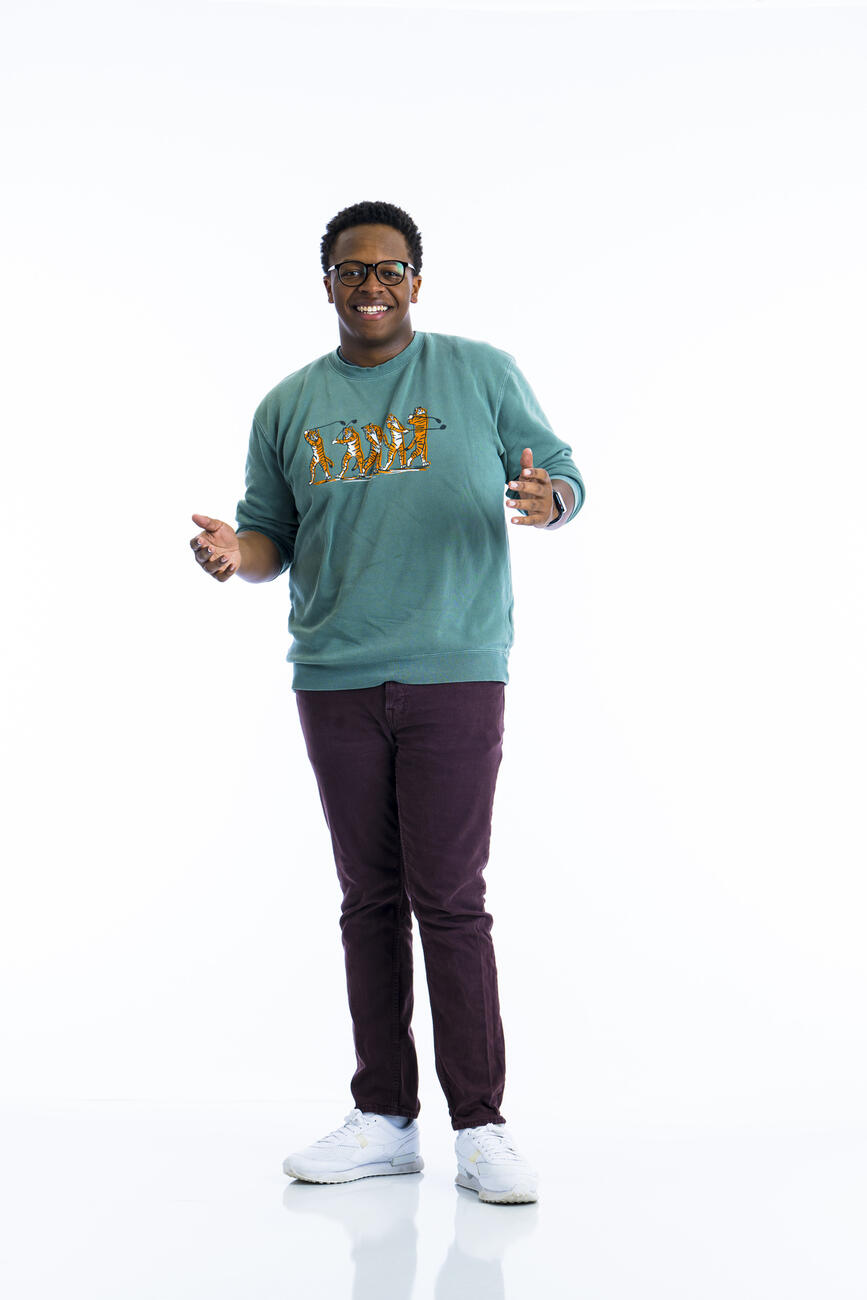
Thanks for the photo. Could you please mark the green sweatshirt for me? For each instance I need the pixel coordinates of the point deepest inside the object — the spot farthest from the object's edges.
(382, 488)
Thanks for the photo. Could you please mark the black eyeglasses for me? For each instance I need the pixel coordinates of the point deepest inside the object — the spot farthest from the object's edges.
(355, 273)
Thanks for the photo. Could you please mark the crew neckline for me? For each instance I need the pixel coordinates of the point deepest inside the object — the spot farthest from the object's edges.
(409, 353)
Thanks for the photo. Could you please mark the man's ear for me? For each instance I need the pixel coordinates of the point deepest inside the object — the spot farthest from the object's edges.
(416, 285)
(326, 280)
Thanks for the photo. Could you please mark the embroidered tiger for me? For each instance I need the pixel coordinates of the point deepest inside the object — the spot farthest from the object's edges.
(373, 464)
(314, 437)
(352, 439)
(397, 444)
(419, 421)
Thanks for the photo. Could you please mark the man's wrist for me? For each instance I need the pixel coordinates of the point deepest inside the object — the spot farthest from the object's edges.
(559, 517)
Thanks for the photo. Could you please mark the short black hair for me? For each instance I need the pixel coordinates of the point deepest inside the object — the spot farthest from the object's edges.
(372, 214)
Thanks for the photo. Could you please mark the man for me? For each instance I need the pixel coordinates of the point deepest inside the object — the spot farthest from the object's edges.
(401, 614)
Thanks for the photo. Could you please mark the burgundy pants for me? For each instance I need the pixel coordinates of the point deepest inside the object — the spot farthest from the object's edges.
(407, 775)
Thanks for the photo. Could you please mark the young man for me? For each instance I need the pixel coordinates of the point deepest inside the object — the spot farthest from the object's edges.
(375, 475)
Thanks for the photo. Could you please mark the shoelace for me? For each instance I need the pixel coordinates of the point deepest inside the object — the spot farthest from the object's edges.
(495, 1145)
(353, 1124)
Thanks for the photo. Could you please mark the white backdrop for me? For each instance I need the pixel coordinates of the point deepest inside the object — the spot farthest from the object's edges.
(661, 213)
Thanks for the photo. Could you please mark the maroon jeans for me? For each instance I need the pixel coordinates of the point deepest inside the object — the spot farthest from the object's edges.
(406, 775)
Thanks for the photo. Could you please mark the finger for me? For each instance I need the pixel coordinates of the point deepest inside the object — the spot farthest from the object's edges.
(205, 521)
(533, 501)
(530, 487)
(530, 475)
(228, 563)
(208, 559)
(527, 458)
(204, 543)
(537, 512)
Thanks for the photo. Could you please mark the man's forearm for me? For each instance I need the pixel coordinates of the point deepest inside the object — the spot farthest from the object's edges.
(260, 559)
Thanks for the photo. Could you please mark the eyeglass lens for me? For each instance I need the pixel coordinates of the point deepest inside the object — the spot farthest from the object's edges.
(386, 272)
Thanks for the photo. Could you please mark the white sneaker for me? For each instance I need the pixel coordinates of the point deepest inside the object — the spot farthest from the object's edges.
(364, 1146)
(488, 1163)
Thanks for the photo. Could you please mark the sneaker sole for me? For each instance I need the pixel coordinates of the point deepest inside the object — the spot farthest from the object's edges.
(350, 1175)
(520, 1194)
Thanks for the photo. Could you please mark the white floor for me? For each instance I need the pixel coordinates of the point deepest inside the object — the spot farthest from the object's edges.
(129, 1200)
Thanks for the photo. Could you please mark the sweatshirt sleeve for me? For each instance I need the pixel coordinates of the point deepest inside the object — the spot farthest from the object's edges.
(268, 505)
(521, 423)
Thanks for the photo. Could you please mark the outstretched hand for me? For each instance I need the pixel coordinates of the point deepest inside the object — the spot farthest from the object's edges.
(536, 494)
(216, 547)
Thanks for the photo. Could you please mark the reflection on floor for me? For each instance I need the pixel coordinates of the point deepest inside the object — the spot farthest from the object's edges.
(159, 1201)
(380, 1217)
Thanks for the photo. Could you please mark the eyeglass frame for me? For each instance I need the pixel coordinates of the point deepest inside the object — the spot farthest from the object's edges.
(373, 266)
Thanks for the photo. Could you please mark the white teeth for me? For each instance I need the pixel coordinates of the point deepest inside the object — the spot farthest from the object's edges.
(372, 311)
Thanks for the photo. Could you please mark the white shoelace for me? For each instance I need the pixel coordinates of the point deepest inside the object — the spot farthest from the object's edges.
(495, 1145)
(353, 1124)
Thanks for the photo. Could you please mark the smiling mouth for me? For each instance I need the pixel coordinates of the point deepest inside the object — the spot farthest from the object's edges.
(379, 310)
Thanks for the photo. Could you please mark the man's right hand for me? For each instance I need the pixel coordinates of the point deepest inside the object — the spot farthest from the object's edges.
(216, 548)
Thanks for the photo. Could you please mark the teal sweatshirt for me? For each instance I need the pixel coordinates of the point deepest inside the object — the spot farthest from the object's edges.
(382, 487)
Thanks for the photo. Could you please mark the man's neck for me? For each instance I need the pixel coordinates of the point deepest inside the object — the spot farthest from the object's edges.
(361, 356)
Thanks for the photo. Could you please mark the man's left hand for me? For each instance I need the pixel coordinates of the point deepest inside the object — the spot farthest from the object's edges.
(537, 494)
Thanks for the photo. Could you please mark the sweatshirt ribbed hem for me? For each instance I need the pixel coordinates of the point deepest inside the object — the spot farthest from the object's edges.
(466, 666)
